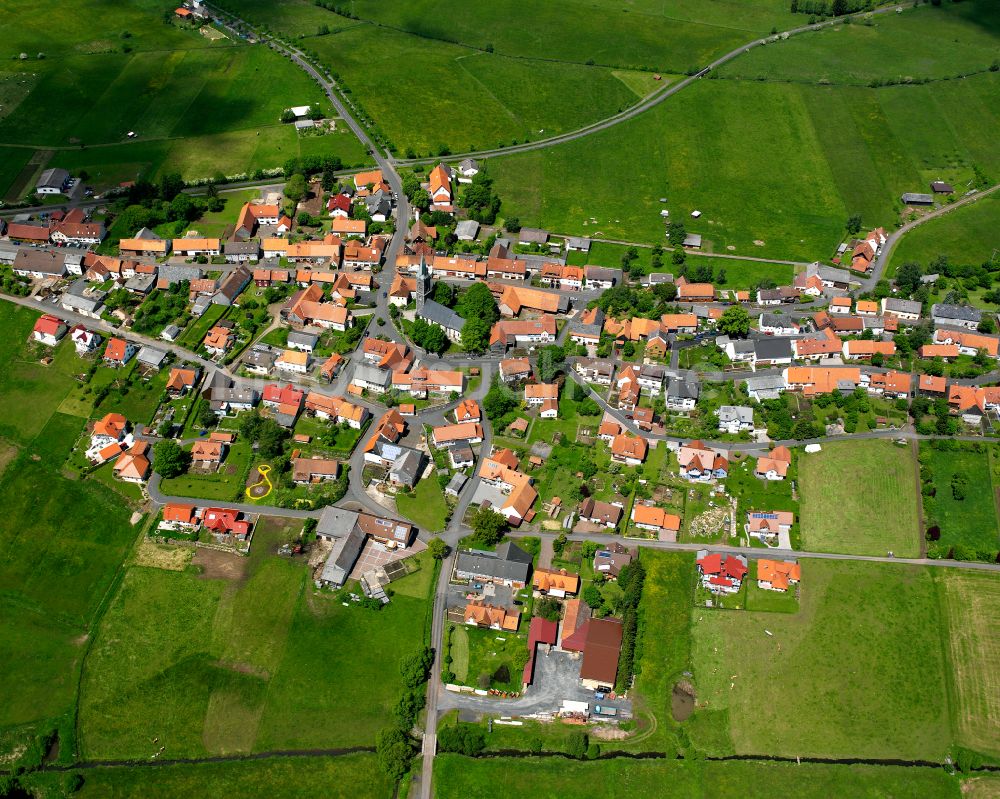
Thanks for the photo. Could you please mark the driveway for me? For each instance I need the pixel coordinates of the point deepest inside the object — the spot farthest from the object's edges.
(557, 678)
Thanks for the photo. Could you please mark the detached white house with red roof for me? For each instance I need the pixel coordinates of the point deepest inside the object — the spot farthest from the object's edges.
(85, 341)
(119, 352)
(721, 574)
(48, 330)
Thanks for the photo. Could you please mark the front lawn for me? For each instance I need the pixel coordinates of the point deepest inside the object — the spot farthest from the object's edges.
(227, 484)
(426, 506)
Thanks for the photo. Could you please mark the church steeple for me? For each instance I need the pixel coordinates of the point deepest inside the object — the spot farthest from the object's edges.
(423, 282)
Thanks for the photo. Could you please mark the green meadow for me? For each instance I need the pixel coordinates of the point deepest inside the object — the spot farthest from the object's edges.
(967, 235)
(929, 42)
(839, 151)
(490, 778)
(250, 658)
(196, 106)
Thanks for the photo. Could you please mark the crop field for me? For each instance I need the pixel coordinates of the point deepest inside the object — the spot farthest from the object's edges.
(425, 95)
(347, 777)
(932, 42)
(969, 518)
(972, 606)
(489, 778)
(843, 484)
(863, 684)
(24, 381)
(966, 236)
(713, 145)
(249, 658)
(54, 574)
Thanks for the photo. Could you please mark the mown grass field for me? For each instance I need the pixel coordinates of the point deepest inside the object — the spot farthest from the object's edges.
(738, 273)
(455, 775)
(30, 392)
(666, 642)
(860, 671)
(966, 235)
(971, 603)
(243, 662)
(665, 36)
(716, 143)
(349, 777)
(425, 95)
(859, 497)
(63, 541)
(928, 42)
(971, 520)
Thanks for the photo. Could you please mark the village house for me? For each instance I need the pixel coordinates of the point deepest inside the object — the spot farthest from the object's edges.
(468, 410)
(656, 520)
(294, 361)
(956, 315)
(133, 464)
(698, 462)
(777, 575)
(968, 343)
(218, 340)
(815, 380)
(119, 352)
(207, 455)
(226, 522)
(721, 574)
(509, 565)
(193, 247)
(451, 434)
(903, 310)
(514, 370)
(85, 341)
(500, 470)
(895, 385)
(774, 465)
(48, 330)
(605, 514)
(558, 583)
(422, 382)
(285, 403)
(541, 394)
(39, 264)
(628, 449)
(735, 419)
(681, 394)
(522, 333)
(767, 525)
(611, 559)
(861, 349)
(492, 617)
(595, 371)
(308, 471)
(772, 324)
